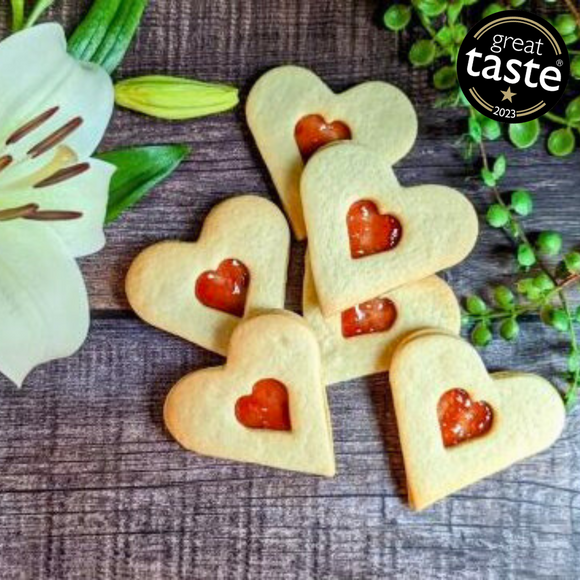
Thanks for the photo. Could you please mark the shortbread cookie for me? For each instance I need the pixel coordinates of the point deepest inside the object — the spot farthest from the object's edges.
(267, 405)
(292, 113)
(369, 235)
(361, 340)
(457, 423)
(201, 291)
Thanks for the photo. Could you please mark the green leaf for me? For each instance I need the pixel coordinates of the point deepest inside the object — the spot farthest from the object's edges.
(422, 52)
(524, 135)
(17, 15)
(445, 78)
(492, 8)
(517, 3)
(444, 36)
(475, 305)
(39, 9)
(431, 8)
(397, 17)
(474, 129)
(557, 318)
(575, 67)
(522, 202)
(139, 169)
(106, 33)
(454, 10)
(491, 129)
(488, 177)
(497, 216)
(543, 282)
(565, 24)
(573, 111)
(549, 243)
(509, 329)
(499, 167)
(526, 257)
(561, 142)
(503, 297)
(481, 335)
(572, 261)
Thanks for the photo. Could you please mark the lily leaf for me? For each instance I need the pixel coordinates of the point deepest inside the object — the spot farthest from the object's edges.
(139, 170)
(106, 33)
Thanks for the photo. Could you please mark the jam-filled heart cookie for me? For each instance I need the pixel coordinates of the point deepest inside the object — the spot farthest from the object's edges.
(361, 340)
(201, 291)
(292, 113)
(369, 235)
(457, 423)
(267, 405)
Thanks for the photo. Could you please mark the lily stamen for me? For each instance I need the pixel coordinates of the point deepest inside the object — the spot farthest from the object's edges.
(31, 126)
(18, 212)
(63, 175)
(53, 216)
(5, 161)
(55, 138)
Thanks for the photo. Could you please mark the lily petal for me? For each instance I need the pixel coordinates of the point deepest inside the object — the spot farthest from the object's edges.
(44, 310)
(36, 76)
(86, 193)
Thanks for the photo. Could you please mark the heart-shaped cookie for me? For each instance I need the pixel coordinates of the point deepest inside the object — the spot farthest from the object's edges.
(355, 255)
(200, 291)
(457, 423)
(267, 405)
(361, 340)
(291, 113)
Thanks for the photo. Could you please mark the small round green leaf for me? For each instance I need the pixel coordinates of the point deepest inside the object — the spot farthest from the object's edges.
(497, 216)
(522, 202)
(432, 8)
(491, 129)
(543, 282)
(445, 78)
(575, 67)
(549, 243)
(573, 111)
(565, 24)
(397, 17)
(503, 297)
(493, 8)
(524, 135)
(509, 329)
(422, 52)
(499, 167)
(561, 142)
(475, 305)
(526, 256)
(557, 318)
(481, 335)
(572, 261)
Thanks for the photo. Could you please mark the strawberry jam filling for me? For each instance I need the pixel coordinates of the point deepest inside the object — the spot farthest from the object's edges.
(312, 132)
(266, 408)
(377, 315)
(226, 288)
(461, 419)
(369, 231)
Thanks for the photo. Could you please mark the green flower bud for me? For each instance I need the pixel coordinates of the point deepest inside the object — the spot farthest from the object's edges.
(522, 202)
(526, 256)
(549, 243)
(174, 98)
(475, 305)
(503, 297)
(509, 329)
(497, 216)
(572, 261)
(397, 17)
(481, 335)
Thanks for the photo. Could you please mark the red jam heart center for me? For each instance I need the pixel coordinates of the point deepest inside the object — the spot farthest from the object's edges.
(461, 419)
(226, 288)
(312, 132)
(266, 408)
(377, 315)
(369, 231)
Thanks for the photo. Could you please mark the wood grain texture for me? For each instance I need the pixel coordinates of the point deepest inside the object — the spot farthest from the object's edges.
(91, 486)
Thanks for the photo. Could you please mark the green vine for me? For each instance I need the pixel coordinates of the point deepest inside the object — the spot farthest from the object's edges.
(545, 276)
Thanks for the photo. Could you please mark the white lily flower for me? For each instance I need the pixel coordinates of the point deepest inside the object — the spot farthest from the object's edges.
(54, 112)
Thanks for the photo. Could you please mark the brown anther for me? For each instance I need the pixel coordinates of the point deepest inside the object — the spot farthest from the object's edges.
(18, 212)
(5, 161)
(63, 175)
(31, 126)
(55, 138)
(54, 216)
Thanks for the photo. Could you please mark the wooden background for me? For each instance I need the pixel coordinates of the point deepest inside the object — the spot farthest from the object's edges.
(91, 486)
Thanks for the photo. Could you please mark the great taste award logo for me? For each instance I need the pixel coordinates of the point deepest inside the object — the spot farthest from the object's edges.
(513, 66)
